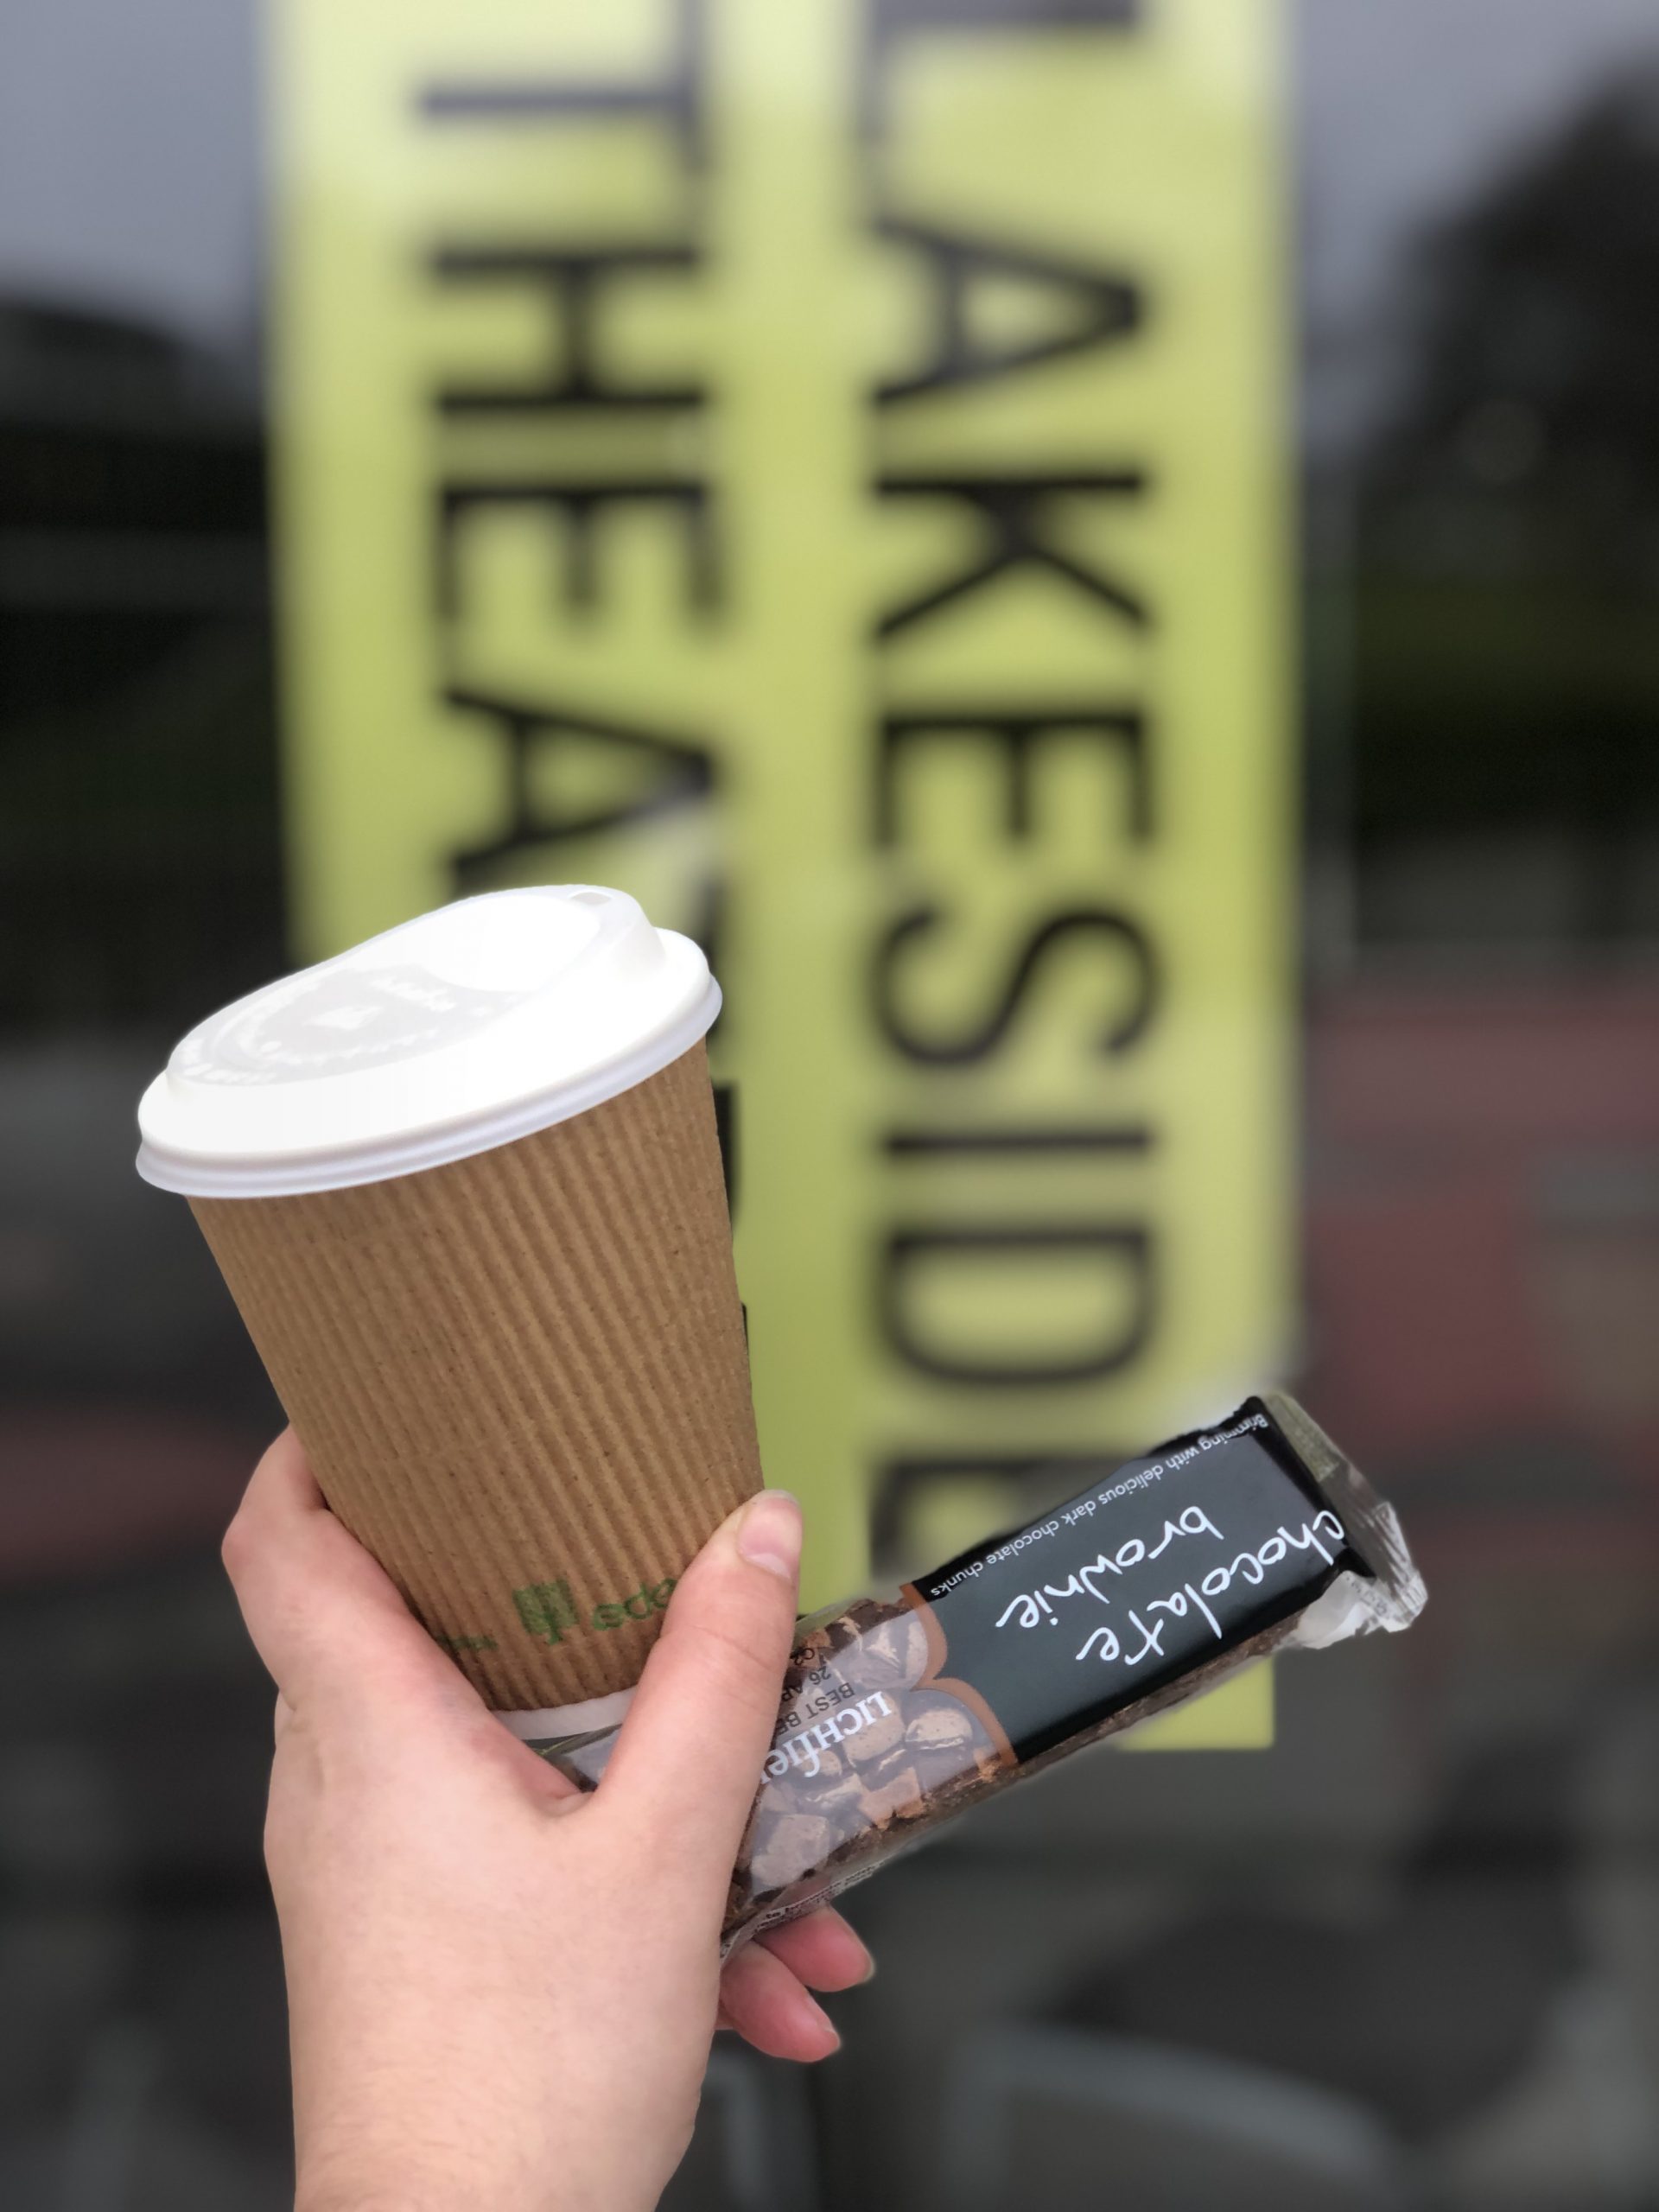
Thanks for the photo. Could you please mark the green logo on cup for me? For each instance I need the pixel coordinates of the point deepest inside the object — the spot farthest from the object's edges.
(649, 1598)
(546, 1609)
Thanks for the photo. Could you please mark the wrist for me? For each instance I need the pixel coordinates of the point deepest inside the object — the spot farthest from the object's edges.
(390, 2189)
(399, 2182)
(478, 2159)
(393, 2130)
(373, 2199)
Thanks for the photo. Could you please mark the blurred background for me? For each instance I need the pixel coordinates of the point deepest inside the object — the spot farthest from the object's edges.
(1398, 612)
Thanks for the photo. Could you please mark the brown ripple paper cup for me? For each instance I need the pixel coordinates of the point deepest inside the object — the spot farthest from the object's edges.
(520, 1373)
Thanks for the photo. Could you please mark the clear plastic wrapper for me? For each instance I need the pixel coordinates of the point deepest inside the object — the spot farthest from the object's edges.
(904, 1709)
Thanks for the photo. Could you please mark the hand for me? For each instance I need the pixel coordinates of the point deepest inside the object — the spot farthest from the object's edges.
(501, 1992)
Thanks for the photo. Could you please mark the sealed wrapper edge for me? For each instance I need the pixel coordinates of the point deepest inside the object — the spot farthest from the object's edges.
(520, 1377)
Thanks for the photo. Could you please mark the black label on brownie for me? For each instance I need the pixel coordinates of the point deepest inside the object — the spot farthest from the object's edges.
(1171, 1561)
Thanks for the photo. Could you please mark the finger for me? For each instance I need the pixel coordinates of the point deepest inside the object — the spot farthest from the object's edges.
(696, 1737)
(820, 1951)
(761, 1998)
(325, 1619)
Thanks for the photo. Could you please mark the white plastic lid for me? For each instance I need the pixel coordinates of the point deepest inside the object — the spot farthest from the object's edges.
(461, 1030)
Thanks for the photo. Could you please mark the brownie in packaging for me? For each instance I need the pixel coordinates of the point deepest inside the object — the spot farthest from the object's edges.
(903, 1709)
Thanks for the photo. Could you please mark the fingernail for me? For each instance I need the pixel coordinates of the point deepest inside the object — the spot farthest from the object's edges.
(867, 1966)
(822, 2021)
(769, 1535)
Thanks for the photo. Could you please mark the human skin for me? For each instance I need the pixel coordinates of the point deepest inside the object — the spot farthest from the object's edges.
(501, 1992)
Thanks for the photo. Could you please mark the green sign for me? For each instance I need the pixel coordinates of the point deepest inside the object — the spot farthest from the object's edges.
(820, 468)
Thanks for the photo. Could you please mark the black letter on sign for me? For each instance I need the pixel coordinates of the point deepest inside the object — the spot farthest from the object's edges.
(1098, 307)
(1017, 508)
(998, 1141)
(669, 772)
(572, 280)
(675, 96)
(1101, 923)
(1129, 1245)
(1018, 735)
(582, 502)
(888, 21)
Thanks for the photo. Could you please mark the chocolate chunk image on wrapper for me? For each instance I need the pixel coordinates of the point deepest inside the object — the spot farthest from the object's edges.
(902, 1709)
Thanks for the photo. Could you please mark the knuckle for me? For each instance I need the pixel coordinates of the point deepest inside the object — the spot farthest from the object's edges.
(236, 1548)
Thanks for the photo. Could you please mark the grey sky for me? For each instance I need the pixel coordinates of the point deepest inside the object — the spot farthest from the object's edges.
(130, 158)
(1406, 108)
(129, 162)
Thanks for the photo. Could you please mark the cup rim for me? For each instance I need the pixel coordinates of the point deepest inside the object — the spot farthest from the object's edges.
(347, 1166)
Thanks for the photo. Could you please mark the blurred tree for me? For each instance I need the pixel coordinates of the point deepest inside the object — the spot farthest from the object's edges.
(139, 844)
(1507, 658)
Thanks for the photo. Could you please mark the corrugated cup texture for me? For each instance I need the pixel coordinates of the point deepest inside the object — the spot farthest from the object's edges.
(521, 1378)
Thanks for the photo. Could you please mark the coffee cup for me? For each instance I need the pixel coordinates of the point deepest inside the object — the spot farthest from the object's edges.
(465, 1184)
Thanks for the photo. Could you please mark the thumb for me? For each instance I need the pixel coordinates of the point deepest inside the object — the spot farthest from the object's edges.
(697, 1733)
